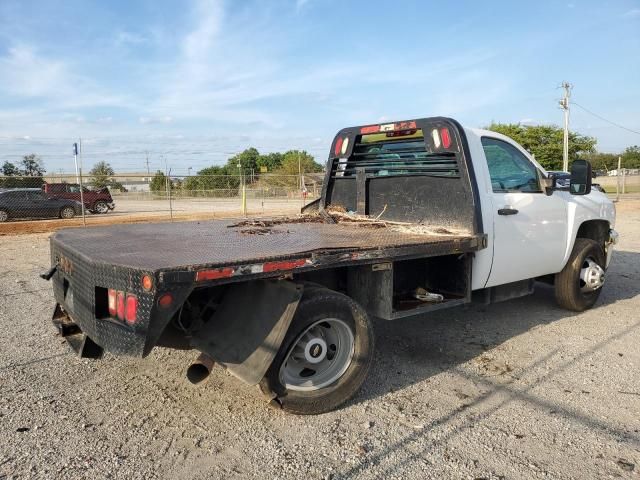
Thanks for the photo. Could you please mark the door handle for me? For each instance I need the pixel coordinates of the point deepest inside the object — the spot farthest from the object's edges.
(507, 211)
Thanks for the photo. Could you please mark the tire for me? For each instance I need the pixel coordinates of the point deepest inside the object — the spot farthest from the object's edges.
(4, 216)
(572, 292)
(67, 212)
(100, 207)
(329, 313)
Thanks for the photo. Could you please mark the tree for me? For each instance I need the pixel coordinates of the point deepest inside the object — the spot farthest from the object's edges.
(158, 182)
(102, 174)
(248, 161)
(32, 166)
(631, 157)
(293, 163)
(603, 161)
(10, 170)
(545, 142)
(270, 162)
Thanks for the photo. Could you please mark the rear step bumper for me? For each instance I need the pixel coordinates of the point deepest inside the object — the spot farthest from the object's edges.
(71, 332)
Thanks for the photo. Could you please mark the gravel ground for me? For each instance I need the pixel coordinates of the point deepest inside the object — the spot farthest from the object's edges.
(515, 390)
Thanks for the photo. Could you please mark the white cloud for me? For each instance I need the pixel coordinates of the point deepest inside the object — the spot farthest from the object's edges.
(25, 73)
(152, 120)
(633, 13)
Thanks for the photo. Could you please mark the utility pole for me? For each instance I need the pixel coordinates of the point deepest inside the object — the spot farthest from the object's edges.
(148, 171)
(564, 105)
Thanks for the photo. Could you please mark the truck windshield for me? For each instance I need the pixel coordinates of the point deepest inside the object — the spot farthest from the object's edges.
(384, 154)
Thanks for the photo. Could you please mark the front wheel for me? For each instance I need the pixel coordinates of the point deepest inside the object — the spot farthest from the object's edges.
(67, 212)
(325, 356)
(580, 282)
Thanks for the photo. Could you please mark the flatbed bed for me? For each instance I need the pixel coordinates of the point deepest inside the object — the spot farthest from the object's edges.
(218, 243)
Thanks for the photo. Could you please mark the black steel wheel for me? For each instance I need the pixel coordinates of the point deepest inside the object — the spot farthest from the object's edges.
(325, 356)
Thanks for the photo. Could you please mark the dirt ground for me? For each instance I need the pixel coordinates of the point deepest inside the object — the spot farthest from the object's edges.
(515, 390)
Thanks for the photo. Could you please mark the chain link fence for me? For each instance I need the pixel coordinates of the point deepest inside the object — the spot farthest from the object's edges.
(84, 200)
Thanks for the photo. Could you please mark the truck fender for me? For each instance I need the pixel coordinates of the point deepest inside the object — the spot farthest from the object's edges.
(249, 326)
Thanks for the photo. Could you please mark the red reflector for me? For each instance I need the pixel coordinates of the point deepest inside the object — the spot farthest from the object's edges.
(131, 309)
(286, 265)
(214, 274)
(446, 138)
(120, 305)
(112, 302)
(370, 129)
(338, 147)
(165, 300)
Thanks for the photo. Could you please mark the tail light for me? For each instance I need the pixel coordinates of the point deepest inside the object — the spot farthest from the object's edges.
(441, 138)
(435, 136)
(446, 138)
(120, 305)
(112, 302)
(131, 309)
(338, 147)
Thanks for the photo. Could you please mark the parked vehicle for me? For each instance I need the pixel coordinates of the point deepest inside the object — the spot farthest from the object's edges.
(562, 180)
(96, 201)
(33, 203)
(414, 217)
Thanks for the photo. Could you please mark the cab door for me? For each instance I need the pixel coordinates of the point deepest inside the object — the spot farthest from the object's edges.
(530, 227)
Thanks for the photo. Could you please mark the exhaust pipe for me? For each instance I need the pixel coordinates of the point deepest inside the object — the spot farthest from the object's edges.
(200, 369)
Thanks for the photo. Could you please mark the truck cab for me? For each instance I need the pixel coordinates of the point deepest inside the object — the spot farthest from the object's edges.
(531, 225)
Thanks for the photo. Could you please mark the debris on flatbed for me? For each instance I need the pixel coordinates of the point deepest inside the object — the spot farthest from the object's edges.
(338, 214)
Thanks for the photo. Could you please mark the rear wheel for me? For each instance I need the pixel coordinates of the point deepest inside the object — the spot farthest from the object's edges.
(580, 282)
(325, 356)
(100, 207)
(4, 215)
(67, 212)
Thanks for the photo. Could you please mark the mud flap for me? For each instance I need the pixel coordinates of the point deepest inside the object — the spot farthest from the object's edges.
(248, 328)
(70, 331)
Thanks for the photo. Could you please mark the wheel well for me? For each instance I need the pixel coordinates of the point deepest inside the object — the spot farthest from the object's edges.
(597, 230)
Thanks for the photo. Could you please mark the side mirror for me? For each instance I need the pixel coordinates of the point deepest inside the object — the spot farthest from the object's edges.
(581, 177)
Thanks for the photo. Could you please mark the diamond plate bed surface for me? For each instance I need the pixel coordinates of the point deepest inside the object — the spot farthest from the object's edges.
(218, 242)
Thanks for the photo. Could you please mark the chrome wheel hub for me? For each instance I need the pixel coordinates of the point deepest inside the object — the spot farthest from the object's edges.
(319, 357)
(591, 276)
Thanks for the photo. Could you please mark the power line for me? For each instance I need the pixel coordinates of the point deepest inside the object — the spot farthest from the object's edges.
(604, 119)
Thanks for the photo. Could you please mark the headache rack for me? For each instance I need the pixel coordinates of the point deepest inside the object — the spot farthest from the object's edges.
(416, 171)
(394, 156)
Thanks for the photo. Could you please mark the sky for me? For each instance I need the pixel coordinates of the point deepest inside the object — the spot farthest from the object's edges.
(190, 83)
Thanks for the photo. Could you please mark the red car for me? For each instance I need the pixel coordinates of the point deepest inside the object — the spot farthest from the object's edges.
(96, 201)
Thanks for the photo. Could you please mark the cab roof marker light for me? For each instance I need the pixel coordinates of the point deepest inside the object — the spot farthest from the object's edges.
(436, 138)
(370, 129)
